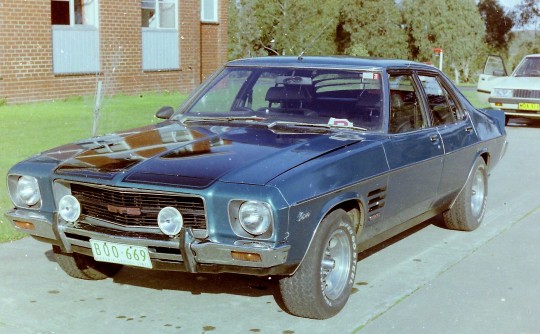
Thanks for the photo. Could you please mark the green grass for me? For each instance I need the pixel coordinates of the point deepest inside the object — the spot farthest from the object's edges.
(472, 97)
(28, 129)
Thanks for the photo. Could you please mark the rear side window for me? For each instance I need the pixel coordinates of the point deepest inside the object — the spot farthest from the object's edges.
(442, 106)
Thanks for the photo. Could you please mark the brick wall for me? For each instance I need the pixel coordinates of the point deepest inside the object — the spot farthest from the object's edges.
(214, 42)
(26, 73)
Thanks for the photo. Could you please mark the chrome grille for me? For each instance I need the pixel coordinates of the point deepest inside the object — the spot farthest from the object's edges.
(135, 208)
(527, 93)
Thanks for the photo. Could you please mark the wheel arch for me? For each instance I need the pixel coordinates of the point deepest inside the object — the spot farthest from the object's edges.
(355, 208)
(486, 157)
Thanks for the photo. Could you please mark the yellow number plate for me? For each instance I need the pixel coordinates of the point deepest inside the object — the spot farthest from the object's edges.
(529, 106)
(121, 254)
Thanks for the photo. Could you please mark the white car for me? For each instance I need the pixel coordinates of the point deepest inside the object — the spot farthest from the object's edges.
(518, 95)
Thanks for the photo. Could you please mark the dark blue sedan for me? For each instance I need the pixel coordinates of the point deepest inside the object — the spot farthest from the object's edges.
(278, 166)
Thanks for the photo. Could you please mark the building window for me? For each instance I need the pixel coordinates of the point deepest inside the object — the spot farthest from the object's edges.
(75, 36)
(161, 14)
(72, 12)
(160, 37)
(209, 10)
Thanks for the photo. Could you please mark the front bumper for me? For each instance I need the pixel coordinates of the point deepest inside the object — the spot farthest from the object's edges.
(183, 253)
(518, 107)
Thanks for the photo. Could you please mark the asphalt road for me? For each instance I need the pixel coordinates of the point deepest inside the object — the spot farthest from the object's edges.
(431, 280)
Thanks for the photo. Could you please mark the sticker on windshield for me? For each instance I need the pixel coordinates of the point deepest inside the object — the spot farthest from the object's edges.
(340, 122)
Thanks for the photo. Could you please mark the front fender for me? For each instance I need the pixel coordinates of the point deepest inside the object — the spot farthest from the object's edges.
(317, 187)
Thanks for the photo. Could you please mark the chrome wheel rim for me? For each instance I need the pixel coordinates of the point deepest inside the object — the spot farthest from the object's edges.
(335, 266)
(478, 193)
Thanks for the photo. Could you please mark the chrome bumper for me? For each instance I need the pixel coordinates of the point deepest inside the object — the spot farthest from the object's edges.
(184, 252)
(531, 114)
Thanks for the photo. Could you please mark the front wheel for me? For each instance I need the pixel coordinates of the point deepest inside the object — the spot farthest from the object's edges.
(322, 284)
(84, 267)
(467, 212)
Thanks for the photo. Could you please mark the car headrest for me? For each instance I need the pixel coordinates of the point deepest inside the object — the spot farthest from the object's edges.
(286, 93)
(396, 102)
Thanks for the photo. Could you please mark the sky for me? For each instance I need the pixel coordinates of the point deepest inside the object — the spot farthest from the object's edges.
(509, 3)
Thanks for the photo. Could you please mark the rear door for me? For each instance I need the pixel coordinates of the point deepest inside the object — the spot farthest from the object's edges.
(456, 129)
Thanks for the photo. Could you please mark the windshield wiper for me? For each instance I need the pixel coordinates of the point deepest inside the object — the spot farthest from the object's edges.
(356, 128)
(313, 126)
(222, 119)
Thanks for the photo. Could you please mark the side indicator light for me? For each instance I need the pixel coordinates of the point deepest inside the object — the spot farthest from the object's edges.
(241, 256)
(25, 225)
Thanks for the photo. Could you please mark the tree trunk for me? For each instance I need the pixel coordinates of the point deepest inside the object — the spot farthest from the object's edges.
(456, 75)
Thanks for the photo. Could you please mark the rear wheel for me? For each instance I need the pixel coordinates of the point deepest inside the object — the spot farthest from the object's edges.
(467, 212)
(322, 284)
(84, 267)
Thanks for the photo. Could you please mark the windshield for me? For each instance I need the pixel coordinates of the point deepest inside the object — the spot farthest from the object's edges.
(339, 98)
(529, 67)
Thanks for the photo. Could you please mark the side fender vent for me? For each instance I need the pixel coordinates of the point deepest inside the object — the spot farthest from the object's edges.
(376, 200)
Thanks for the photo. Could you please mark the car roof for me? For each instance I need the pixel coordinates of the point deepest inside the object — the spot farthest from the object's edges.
(340, 62)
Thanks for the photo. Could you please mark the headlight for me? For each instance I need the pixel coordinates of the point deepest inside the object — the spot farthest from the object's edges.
(255, 217)
(27, 191)
(69, 208)
(502, 92)
(170, 221)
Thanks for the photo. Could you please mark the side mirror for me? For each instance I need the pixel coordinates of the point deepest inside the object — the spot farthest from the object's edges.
(499, 73)
(165, 112)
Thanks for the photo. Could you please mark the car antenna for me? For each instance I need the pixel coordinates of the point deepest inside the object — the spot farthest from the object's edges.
(301, 55)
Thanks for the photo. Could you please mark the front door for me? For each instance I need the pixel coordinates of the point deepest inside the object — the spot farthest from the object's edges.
(494, 72)
(414, 150)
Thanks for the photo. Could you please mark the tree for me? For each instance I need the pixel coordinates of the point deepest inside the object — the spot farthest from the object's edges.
(453, 25)
(526, 48)
(283, 27)
(373, 26)
(497, 24)
(245, 30)
(528, 12)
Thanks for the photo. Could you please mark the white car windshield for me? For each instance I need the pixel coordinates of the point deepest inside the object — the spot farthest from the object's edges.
(529, 67)
(312, 96)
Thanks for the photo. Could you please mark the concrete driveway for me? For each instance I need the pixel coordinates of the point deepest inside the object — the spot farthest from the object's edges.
(430, 280)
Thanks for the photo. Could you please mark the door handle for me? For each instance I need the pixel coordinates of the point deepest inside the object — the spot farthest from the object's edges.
(468, 129)
(434, 138)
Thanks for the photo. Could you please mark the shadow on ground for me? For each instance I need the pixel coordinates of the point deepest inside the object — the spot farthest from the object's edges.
(232, 284)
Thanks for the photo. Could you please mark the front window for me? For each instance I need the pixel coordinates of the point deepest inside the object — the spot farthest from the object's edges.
(529, 67)
(494, 66)
(315, 96)
(405, 110)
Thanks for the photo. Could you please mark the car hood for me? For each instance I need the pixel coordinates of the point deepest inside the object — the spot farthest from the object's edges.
(171, 154)
(519, 83)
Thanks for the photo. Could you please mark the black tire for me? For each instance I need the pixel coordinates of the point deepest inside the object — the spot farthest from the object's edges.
(468, 210)
(322, 284)
(506, 119)
(84, 267)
